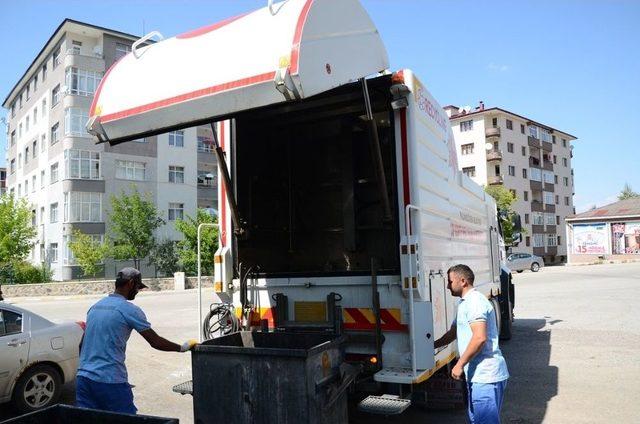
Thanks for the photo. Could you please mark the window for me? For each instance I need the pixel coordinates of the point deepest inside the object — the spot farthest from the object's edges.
(545, 135)
(566, 200)
(69, 258)
(56, 58)
(35, 115)
(75, 120)
(44, 107)
(551, 240)
(81, 82)
(526, 218)
(558, 241)
(522, 128)
(509, 124)
(20, 130)
(526, 196)
(564, 162)
(564, 143)
(469, 171)
(43, 142)
(54, 173)
(466, 126)
(549, 219)
(82, 207)
(19, 160)
(19, 190)
(557, 199)
(13, 137)
(35, 83)
(524, 173)
(513, 193)
(536, 174)
(555, 179)
(553, 139)
(548, 177)
(82, 164)
(75, 47)
(42, 179)
(510, 147)
(494, 122)
(557, 220)
(42, 215)
(26, 125)
(26, 155)
(176, 174)
(565, 180)
(467, 149)
(34, 222)
(34, 148)
(176, 211)
(53, 252)
(533, 131)
(538, 240)
(53, 213)
(44, 72)
(55, 95)
(205, 144)
(26, 187)
(524, 151)
(547, 197)
(12, 167)
(130, 170)
(512, 171)
(538, 218)
(55, 133)
(176, 138)
(496, 169)
(13, 110)
(528, 241)
(28, 89)
(555, 159)
(33, 184)
(10, 323)
(122, 50)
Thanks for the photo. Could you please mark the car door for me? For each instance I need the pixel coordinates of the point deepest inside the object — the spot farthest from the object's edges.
(14, 347)
(526, 261)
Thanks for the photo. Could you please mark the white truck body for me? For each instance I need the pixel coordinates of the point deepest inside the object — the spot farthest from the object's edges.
(278, 72)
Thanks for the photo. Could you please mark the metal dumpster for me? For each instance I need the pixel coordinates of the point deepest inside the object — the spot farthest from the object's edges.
(65, 414)
(259, 377)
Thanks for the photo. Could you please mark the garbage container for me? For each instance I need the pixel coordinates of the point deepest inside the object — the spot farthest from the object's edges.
(65, 414)
(266, 378)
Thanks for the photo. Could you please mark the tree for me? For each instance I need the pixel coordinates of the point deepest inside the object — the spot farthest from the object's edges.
(165, 257)
(16, 231)
(133, 220)
(627, 193)
(88, 252)
(504, 199)
(188, 247)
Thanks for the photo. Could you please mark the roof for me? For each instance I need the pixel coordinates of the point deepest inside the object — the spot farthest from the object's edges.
(44, 51)
(479, 111)
(629, 208)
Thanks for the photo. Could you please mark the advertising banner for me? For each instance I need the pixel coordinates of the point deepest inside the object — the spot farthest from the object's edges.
(590, 239)
(625, 237)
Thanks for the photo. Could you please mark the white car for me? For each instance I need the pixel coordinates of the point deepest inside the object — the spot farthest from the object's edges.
(521, 261)
(37, 357)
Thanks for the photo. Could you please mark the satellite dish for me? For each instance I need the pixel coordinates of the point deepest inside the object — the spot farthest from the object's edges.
(488, 147)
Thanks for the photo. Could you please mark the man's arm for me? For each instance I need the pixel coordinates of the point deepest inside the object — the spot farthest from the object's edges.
(478, 339)
(159, 343)
(446, 338)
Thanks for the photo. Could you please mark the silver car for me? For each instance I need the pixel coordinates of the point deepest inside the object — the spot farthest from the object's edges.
(521, 261)
(37, 357)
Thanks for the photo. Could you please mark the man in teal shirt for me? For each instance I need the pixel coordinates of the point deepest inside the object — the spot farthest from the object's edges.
(481, 360)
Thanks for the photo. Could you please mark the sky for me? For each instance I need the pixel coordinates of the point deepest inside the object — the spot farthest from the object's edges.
(573, 65)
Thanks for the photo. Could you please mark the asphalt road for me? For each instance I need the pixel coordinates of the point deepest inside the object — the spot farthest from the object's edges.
(573, 357)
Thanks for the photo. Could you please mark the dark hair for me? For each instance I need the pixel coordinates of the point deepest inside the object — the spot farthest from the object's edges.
(464, 271)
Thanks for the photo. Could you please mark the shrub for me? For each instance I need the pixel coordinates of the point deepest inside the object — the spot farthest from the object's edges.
(24, 273)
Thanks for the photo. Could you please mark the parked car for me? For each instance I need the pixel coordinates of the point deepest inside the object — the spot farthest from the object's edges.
(37, 357)
(521, 261)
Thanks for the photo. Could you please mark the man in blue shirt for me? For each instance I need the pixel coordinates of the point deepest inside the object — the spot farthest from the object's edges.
(481, 361)
(102, 381)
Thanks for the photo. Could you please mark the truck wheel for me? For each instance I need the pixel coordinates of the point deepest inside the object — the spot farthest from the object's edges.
(497, 312)
(38, 387)
(535, 267)
(507, 320)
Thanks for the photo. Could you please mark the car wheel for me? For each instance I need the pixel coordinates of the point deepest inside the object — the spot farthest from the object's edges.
(38, 387)
(535, 267)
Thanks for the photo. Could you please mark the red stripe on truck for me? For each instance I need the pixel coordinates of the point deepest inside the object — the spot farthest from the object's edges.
(297, 37)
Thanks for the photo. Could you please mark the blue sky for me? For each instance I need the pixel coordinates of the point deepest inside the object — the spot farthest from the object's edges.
(573, 65)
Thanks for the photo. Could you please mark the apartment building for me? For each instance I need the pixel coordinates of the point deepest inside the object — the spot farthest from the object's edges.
(533, 160)
(67, 179)
(3, 180)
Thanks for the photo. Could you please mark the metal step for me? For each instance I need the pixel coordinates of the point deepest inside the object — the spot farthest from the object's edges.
(185, 388)
(384, 405)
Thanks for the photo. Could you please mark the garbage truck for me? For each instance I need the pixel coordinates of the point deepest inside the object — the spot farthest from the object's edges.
(341, 207)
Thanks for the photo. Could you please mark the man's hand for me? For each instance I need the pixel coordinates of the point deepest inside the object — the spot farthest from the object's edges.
(457, 372)
(188, 345)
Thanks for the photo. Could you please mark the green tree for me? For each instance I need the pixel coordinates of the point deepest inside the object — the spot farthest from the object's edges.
(504, 199)
(88, 252)
(627, 193)
(188, 247)
(165, 257)
(133, 220)
(16, 231)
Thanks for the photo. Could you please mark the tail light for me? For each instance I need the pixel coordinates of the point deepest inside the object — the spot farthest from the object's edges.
(82, 325)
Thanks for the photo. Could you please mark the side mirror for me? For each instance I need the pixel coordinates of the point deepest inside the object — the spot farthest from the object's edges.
(516, 238)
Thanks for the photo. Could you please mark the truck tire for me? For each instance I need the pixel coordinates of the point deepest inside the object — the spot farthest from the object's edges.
(38, 387)
(497, 312)
(535, 267)
(506, 320)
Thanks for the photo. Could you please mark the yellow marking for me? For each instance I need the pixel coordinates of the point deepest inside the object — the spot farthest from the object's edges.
(439, 364)
(217, 286)
(310, 311)
(396, 314)
(217, 259)
(346, 318)
(284, 61)
(97, 111)
(368, 314)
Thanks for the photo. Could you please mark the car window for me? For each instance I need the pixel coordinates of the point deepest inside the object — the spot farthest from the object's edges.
(10, 323)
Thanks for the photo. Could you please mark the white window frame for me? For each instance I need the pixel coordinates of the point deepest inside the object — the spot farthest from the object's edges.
(54, 173)
(538, 240)
(537, 218)
(81, 82)
(75, 120)
(469, 171)
(467, 149)
(80, 206)
(466, 125)
(552, 240)
(53, 213)
(53, 252)
(176, 138)
(56, 95)
(175, 209)
(122, 50)
(130, 170)
(547, 197)
(82, 164)
(174, 173)
(69, 259)
(55, 133)
(535, 174)
(550, 219)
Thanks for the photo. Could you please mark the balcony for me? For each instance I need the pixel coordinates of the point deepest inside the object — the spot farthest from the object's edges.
(90, 63)
(550, 229)
(547, 146)
(495, 180)
(550, 208)
(537, 229)
(549, 187)
(534, 162)
(537, 206)
(539, 251)
(547, 165)
(552, 250)
(492, 132)
(535, 185)
(534, 142)
(494, 155)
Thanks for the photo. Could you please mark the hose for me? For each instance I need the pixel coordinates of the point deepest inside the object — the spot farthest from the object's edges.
(220, 321)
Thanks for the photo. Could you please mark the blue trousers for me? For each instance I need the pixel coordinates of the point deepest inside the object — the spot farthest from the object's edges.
(485, 401)
(104, 396)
